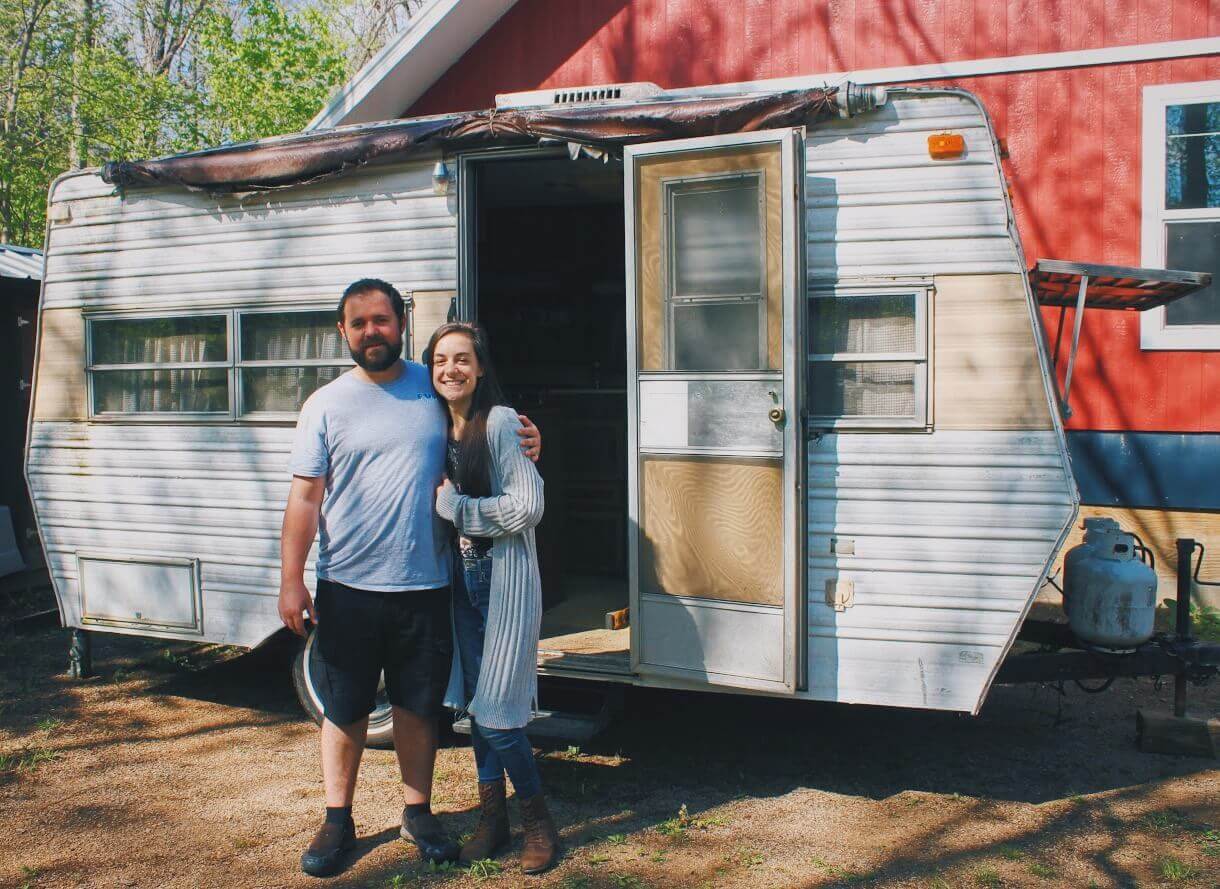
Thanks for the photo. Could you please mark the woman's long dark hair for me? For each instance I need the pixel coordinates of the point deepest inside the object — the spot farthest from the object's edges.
(474, 465)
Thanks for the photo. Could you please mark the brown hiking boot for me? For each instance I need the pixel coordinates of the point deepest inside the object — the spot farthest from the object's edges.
(492, 833)
(541, 838)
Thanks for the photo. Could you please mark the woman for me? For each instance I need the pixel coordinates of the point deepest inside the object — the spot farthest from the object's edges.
(493, 497)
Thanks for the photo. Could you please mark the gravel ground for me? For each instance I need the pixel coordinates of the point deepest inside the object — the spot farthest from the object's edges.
(193, 766)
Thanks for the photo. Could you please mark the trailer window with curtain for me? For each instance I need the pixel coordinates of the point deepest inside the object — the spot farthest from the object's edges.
(284, 357)
(868, 358)
(232, 364)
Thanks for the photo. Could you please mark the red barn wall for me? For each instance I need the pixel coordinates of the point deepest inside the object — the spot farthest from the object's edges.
(1074, 136)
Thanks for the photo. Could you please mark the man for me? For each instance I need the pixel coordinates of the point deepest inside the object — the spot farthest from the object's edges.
(368, 455)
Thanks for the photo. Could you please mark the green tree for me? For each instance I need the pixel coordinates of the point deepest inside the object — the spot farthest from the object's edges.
(266, 71)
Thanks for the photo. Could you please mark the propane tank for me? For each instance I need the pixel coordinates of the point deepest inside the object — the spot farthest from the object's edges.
(1108, 593)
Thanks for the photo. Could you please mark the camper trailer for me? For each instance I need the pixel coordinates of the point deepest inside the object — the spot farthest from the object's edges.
(798, 411)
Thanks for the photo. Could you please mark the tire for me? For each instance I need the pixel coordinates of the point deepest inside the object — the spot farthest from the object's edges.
(304, 671)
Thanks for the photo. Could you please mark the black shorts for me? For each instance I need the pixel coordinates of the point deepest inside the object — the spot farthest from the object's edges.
(361, 633)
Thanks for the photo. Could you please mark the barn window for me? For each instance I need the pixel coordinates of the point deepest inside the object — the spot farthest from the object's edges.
(162, 365)
(222, 365)
(716, 307)
(284, 356)
(1181, 209)
(868, 358)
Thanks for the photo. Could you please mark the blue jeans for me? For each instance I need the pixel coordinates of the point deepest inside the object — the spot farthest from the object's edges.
(496, 751)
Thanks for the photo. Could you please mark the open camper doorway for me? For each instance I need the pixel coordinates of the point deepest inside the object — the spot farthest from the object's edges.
(544, 272)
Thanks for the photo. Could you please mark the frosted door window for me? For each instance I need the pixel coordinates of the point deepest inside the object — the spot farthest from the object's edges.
(716, 309)
(717, 243)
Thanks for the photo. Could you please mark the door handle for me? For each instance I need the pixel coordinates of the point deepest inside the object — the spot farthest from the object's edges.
(776, 414)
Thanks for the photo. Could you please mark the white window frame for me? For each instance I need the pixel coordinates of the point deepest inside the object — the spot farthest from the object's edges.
(921, 356)
(234, 365)
(1155, 334)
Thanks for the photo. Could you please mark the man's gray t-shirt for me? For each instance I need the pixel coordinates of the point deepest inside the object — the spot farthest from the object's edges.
(382, 450)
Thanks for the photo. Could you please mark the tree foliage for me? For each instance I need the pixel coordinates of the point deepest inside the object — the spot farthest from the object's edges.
(87, 81)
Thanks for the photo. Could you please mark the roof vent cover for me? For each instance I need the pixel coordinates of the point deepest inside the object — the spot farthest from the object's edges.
(579, 95)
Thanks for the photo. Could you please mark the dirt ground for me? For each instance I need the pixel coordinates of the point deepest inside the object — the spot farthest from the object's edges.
(192, 766)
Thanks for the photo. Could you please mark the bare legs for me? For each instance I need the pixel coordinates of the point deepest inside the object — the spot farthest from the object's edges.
(342, 746)
(414, 744)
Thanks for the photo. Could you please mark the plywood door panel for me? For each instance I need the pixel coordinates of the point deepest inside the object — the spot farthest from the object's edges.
(985, 363)
(651, 173)
(712, 528)
(61, 366)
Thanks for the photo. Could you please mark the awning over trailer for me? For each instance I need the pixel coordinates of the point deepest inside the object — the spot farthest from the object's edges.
(1057, 283)
(310, 157)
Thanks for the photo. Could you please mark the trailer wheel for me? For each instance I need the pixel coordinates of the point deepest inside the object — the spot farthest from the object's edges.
(304, 670)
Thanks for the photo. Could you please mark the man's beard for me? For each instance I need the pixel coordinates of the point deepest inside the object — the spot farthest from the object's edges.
(362, 357)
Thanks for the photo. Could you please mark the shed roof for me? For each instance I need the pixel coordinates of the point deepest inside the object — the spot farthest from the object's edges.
(20, 262)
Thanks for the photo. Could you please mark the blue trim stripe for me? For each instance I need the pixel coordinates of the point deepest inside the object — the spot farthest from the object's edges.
(1151, 470)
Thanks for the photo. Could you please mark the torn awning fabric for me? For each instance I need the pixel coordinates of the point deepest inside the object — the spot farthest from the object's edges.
(312, 157)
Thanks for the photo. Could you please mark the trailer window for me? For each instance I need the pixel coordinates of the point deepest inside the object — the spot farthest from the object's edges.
(868, 358)
(230, 364)
(168, 365)
(284, 357)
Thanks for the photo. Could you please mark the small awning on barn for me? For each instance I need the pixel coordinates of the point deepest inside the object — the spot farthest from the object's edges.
(1084, 286)
(1058, 283)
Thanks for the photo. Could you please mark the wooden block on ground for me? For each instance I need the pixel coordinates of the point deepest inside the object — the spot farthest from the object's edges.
(1184, 735)
(618, 620)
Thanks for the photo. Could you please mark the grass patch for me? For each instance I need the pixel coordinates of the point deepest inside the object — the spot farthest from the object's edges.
(1168, 821)
(616, 839)
(939, 883)
(484, 868)
(835, 872)
(987, 876)
(1210, 841)
(445, 867)
(1040, 870)
(659, 857)
(48, 724)
(750, 858)
(575, 881)
(598, 858)
(1174, 870)
(401, 881)
(628, 881)
(1010, 853)
(25, 760)
(676, 827)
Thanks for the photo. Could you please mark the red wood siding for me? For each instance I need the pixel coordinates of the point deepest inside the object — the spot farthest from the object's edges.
(1073, 135)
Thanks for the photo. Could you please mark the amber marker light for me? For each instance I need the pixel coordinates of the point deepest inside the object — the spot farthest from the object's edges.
(943, 146)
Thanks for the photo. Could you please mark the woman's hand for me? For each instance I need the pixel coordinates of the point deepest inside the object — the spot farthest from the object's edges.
(441, 487)
(531, 438)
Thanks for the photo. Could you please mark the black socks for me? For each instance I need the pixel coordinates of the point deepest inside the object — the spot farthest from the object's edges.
(416, 809)
(338, 814)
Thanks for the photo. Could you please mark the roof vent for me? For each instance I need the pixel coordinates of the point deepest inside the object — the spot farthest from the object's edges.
(580, 95)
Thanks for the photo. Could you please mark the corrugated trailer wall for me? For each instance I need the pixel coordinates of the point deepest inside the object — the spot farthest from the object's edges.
(208, 490)
(950, 530)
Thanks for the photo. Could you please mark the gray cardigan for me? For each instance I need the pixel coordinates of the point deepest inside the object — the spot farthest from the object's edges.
(508, 680)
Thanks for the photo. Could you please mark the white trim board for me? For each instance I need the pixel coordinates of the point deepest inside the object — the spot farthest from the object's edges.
(1154, 333)
(411, 62)
(1083, 58)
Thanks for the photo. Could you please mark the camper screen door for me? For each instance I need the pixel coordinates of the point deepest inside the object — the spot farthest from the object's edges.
(713, 231)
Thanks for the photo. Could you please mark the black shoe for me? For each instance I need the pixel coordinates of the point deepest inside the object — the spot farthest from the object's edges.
(325, 854)
(426, 832)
